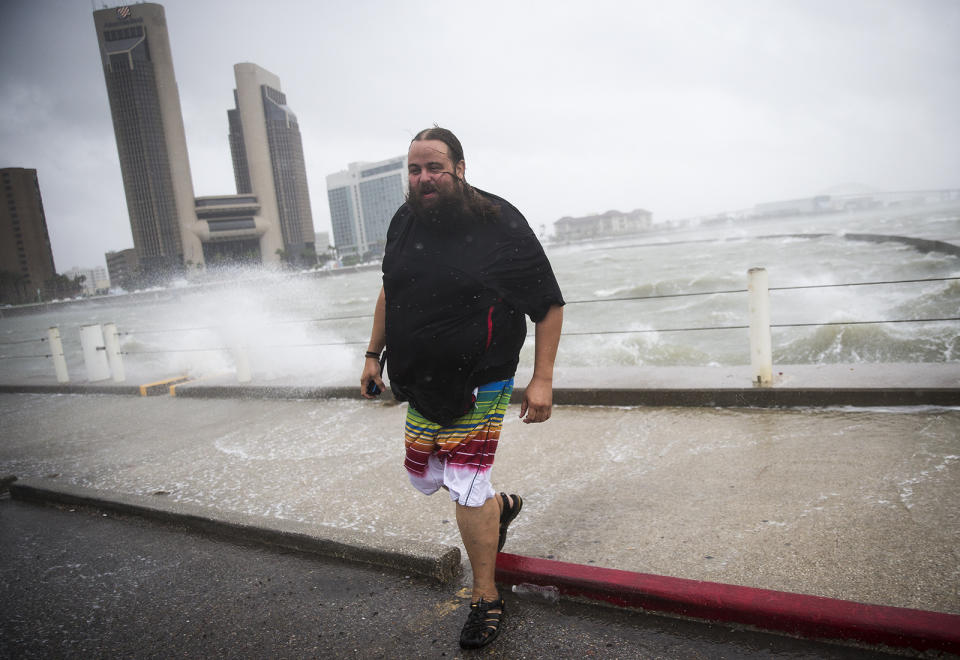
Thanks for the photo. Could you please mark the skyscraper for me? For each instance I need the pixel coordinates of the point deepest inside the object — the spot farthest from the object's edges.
(26, 258)
(147, 121)
(268, 163)
(269, 218)
(363, 199)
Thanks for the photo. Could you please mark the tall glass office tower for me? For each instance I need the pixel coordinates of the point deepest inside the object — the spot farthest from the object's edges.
(363, 199)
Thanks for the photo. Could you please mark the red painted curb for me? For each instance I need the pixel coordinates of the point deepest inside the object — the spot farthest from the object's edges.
(795, 614)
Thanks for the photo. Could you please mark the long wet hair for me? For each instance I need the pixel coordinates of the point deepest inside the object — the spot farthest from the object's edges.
(474, 203)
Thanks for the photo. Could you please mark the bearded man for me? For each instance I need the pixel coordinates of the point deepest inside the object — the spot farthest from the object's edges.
(461, 270)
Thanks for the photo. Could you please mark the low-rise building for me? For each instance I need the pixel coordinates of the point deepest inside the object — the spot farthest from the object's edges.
(123, 269)
(611, 223)
(95, 281)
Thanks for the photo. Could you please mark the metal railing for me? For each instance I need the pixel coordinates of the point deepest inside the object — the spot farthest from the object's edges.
(98, 354)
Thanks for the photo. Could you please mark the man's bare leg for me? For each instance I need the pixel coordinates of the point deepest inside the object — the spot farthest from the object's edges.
(480, 532)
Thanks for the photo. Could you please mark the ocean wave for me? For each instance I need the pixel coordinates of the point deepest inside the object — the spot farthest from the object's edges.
(841, 344)
(700, 284)
(630, 350)
(941, 301)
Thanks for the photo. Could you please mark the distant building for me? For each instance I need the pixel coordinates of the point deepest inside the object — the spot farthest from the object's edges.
(95, 281)
(123, 269)
(323, 242)
(611, 223)
(151, 143)
(26, 258)
(269, 219)
(804, 206)
(363, 199)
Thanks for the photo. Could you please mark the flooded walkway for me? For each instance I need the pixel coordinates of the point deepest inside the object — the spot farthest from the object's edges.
(857, 504)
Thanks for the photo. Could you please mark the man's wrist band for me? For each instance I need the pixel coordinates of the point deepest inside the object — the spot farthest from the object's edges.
(372, 354)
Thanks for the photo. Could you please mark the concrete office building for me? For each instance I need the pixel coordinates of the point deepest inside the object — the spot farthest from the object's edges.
(268, 165)
(147, 121)
(363, 199)
(26, 258)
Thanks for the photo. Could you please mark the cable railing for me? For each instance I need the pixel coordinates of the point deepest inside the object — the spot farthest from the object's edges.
(99, 351)
(747, 327)
(354, 317)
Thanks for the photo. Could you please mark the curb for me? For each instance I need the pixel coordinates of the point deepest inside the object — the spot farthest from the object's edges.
(188, 391)
(70, 389)
(432, 560)
(794, 614)
(760, 397)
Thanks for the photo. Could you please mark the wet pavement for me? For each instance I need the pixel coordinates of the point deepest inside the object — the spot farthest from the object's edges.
(857, 504)
(78, 582)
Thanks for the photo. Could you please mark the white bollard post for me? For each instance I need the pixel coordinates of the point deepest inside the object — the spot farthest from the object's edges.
(761, 355)
(114, 359)
(56, 352)
(243, 365)
(94, 353)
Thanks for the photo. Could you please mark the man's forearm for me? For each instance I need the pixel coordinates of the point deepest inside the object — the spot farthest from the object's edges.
(547, 338)
(378, 334)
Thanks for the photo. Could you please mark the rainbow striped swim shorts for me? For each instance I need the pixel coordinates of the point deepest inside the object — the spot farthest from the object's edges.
(458, 456)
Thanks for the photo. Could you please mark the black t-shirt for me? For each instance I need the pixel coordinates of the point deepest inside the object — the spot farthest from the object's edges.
(456, 292)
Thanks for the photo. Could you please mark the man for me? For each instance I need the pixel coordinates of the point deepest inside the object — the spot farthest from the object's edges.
(461, 269)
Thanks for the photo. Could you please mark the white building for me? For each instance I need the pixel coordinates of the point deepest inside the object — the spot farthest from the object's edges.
(611, 223)
(363, 199)
(95, 279)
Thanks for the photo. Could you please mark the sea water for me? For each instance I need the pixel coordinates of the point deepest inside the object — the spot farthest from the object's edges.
(663, 298)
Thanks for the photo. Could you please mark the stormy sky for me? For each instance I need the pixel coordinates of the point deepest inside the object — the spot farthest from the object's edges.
(683, 108)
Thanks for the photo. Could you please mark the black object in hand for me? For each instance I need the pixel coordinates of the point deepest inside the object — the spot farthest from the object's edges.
(372, 388)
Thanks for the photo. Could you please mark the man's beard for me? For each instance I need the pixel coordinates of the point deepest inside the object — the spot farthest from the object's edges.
(450, 203)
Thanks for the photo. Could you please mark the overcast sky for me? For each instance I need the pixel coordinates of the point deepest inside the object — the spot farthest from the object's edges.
(565, 108)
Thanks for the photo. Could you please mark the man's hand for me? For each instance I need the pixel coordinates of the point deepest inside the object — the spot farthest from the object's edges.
(371, 373)
(378, 337)
(537, 402)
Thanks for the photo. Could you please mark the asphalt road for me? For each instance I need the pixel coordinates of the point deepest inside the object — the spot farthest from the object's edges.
(81, 583)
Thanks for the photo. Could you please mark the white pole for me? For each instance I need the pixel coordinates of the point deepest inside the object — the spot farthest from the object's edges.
(761, 356)
(94, 353)
(243, 365)
(56, 352)
(112, 342)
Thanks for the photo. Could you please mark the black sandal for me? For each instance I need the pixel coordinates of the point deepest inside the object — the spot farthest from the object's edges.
(507, 514)
(482, 626)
